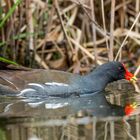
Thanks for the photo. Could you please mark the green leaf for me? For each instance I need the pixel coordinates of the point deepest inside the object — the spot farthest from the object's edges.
(10, 12)
(8, 61)
(2, 135)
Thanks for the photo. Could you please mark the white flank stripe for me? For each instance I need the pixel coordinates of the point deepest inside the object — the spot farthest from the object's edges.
(35, 84)
(7, 107)
(56, 84)
(55, 106)
(25, 90)
(35, 104)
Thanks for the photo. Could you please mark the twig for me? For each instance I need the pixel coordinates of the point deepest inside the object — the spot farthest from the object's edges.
(84, 50)
(98, 27)
(73, 16)
(137, 70)
(128, 130)
(10, 83)
(40, 61)
(104, 25)
(137, 11)
(31, 27)
(79, 3)
(112, 30)
(106, 130)
(40, 3)
(124, 41)
(94, 30)
(112, 130)
(71, 7)
(62, 24)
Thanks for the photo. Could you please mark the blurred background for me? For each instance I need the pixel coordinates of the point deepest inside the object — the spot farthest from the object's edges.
(74, 36)
(70, 35)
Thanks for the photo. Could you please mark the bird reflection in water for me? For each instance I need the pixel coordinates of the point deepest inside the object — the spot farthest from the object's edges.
(93, 104)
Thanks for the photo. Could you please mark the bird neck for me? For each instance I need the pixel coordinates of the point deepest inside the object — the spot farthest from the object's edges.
(99, 79)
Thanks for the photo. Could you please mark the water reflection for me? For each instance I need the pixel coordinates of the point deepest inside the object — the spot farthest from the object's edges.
(88, 118)
(95, 105)
(74, 127)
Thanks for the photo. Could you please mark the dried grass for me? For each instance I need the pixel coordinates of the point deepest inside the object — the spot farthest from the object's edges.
(70, 35)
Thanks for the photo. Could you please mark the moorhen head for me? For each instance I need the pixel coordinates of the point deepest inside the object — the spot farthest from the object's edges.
(39, 82)
(113, 71)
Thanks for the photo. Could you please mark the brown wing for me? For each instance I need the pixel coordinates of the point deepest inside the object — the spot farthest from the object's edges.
(17, 79)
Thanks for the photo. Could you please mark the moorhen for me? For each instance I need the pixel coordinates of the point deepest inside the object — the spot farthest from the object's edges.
(45, 83)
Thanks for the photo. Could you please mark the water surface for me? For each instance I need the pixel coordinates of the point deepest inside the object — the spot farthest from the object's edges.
(84, 118)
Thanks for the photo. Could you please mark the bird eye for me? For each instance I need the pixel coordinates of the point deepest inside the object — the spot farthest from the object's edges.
(121, 68)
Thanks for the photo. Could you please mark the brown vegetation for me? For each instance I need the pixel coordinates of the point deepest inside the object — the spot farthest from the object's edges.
(70, 35)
